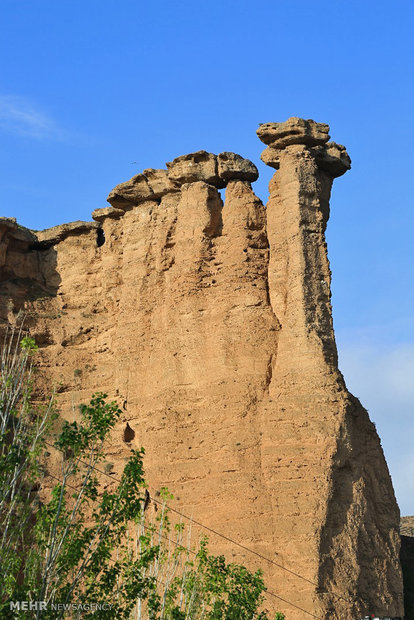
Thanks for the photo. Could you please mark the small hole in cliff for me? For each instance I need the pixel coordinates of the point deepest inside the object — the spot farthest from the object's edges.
(100, 237)
(129, 433)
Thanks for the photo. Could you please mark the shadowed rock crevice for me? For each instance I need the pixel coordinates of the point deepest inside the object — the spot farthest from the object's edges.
(100, 237)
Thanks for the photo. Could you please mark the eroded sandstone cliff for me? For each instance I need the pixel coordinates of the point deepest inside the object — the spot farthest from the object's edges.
(212, 325)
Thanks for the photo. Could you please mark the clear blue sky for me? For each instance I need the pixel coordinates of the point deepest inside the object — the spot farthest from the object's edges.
(87, 87)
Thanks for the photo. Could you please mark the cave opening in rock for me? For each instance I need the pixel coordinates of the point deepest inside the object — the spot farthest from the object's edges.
(100, 237)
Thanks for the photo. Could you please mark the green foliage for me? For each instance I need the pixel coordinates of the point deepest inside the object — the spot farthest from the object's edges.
(23, 428)
(28, 344)
(78, 550)
(217, 591)
(92, 542)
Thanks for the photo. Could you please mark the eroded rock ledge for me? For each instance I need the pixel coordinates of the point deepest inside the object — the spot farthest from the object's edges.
(150, 185)
(216, 170)
(330, 156)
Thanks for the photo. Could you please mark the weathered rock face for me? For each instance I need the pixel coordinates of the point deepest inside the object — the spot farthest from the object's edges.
(101, 214)
(407, 563)
(129, 194)
(213, 324)
(216, 170)
(25, 275)
(294, 131)
(199, 166)
(330, 157)
(310, 400)
(232, 167)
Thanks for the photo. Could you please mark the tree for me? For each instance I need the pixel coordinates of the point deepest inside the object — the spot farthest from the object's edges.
(22, 432)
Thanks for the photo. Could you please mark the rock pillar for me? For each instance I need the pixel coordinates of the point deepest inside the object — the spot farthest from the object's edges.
(332, 493)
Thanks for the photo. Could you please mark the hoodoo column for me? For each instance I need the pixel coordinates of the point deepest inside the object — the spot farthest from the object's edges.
(337, 518)
(298, 210)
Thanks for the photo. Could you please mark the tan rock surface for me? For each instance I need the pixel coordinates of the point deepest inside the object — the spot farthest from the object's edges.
(233, 167)
(407, 563)
(101, 214)
(198, 166)
(159, 182)
(213, 322)
(52, 236)
(130, 193)
(332, 158)
(21, 269)
(407, 526)
(294, 131)
(329, 156)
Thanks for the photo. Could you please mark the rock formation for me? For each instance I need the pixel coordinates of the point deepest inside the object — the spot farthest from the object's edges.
(407, 563)
(213, 324)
